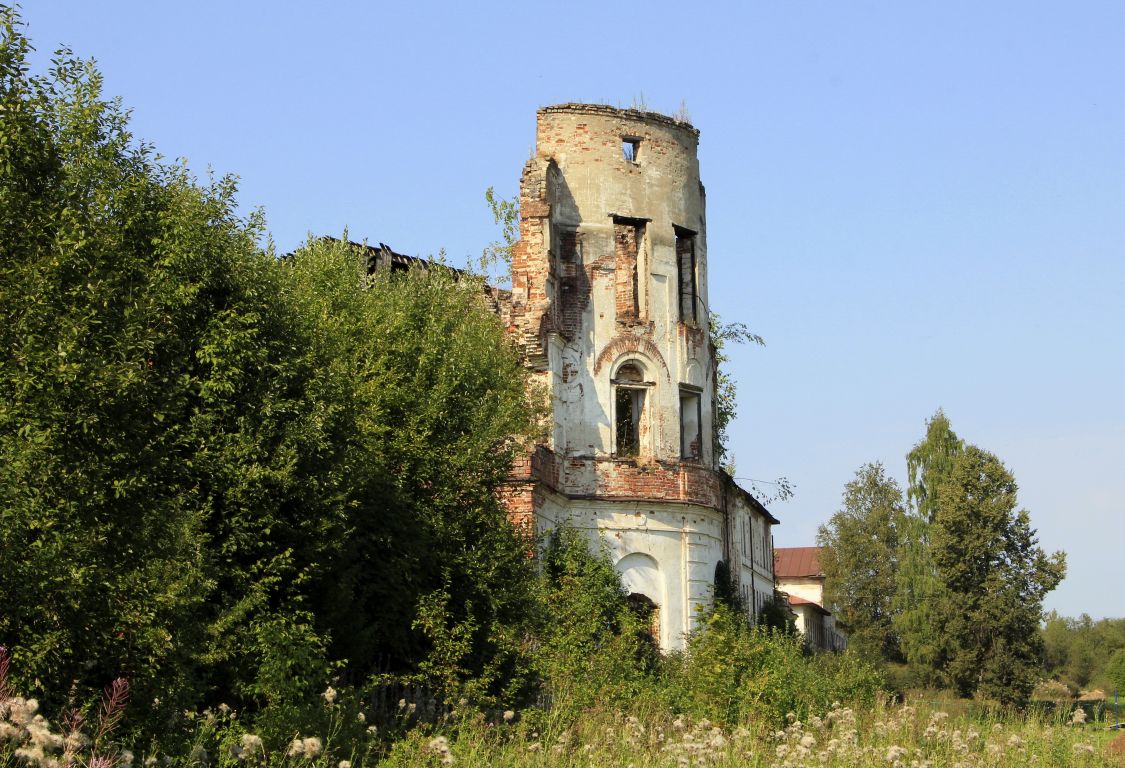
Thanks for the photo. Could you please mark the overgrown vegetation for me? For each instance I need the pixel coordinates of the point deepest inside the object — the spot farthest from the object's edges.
(1085, 654)
(953, 584)
(226, 477)
(249, 509)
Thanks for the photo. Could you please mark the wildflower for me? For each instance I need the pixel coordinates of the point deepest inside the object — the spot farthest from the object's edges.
(439, 745)
(895, 753)
(32, 755)
(509, 715)
(808, 741)
(329, 695)
(1078, 717)
(249, 745)
(21, 711)
(782, 751)
(296, 748)
(313, 747)
(224, 708)
(360, 717)
(1015, 741)
(125, 759)
(371, 729)
(344, 764)
(150, 761)
(402, 703)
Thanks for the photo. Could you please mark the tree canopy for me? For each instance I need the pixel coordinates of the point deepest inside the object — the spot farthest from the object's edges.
(860, 547)
(223, 474)
(955, 583)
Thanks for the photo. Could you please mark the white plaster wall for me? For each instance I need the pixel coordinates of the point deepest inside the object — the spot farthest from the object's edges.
(670, 549)
(810, 589)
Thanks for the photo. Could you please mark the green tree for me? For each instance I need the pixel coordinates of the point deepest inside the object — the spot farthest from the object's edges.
(441, 405)
(918, 588)
(994, 578)
(1077, 649)
(1115, 670)
(223, 475)
(859, 557)
(121, 281)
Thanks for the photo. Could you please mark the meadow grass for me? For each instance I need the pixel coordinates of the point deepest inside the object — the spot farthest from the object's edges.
(912, 735)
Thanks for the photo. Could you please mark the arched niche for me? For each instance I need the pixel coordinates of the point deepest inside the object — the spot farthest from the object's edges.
(640, 574)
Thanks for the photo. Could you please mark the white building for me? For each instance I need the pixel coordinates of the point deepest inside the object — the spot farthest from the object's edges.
(798, 574)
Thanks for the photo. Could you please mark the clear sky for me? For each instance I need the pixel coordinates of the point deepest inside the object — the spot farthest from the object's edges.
(917, 204)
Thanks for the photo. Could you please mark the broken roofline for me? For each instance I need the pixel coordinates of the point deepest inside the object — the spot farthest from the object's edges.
(385, 257)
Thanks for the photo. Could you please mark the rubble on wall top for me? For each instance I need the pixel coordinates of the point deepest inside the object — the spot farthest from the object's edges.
(625, 114)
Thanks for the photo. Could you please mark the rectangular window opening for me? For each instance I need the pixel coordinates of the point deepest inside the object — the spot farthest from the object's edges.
(629, 238)
(630, 149)
(688, 281)
(691, 422)
(629, 404)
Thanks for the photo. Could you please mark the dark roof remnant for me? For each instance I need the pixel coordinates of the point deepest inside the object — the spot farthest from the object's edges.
(384, 257)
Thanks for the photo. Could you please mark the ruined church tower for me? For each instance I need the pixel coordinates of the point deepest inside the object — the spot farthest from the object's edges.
(609, 305)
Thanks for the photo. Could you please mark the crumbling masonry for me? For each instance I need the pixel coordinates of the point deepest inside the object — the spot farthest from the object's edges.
(609, 306)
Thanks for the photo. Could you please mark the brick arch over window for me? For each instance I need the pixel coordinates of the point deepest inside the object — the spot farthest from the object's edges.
(626, 345)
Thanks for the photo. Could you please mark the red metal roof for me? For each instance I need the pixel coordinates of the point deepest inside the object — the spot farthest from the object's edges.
(796, 562)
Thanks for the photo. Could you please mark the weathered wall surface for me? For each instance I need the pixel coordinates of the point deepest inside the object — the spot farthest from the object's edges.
(667, 552)
(609, 306)
(596, 277)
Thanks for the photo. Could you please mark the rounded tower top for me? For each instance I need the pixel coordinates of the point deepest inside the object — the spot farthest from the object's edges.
(621, 162)
(630, 115)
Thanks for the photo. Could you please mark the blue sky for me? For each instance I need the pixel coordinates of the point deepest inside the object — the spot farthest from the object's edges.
(917, 204)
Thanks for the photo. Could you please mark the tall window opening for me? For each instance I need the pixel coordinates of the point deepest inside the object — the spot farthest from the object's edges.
(688, 281)
(628, 236)
(691, 424)
(629, 409)
(648, 612)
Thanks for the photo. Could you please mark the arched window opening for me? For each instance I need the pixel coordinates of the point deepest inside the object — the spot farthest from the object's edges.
(629, 392)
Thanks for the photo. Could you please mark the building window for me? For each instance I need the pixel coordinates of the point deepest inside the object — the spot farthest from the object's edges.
(691, 421)
(629, 390)
(628, 266)
(688, 281)
(630, 149)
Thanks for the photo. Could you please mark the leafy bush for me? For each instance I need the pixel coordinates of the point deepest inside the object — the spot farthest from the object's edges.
(731, 672)
(592, 646)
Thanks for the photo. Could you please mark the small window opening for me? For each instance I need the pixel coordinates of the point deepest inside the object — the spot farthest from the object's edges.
(630, 149)
(691, 432)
